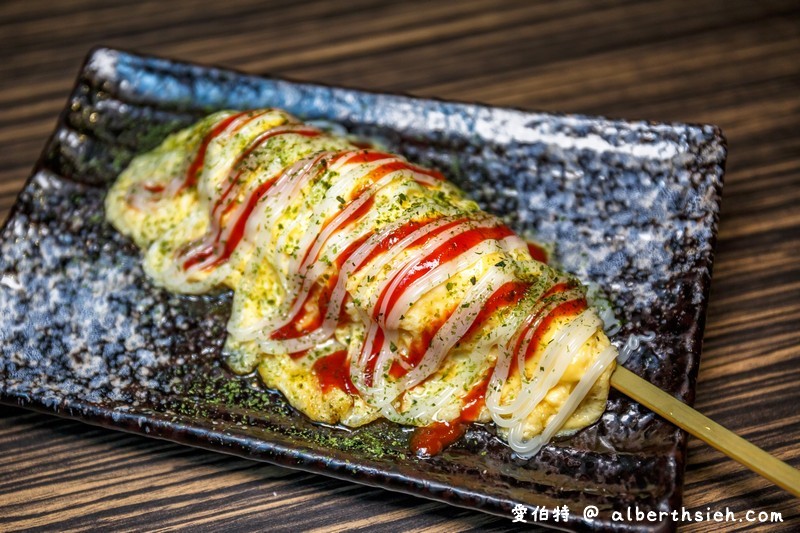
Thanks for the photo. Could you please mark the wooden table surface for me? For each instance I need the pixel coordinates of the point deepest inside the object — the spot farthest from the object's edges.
(735, 64)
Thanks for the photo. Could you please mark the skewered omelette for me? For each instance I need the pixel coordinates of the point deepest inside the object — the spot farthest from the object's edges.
(365, 286)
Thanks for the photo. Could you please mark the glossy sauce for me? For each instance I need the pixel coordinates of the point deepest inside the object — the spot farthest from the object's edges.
(190, 178)
(537, 252)
(531, 320)
(309, 317)
(431, 440)
(333, 372)
(355, 216)
(508, 294)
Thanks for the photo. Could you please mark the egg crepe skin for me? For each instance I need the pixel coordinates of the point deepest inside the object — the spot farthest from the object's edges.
(173, 200)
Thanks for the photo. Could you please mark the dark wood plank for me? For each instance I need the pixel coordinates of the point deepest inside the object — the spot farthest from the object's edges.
(731, 63)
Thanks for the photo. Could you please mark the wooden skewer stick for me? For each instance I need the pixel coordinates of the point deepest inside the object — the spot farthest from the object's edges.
(707, 430)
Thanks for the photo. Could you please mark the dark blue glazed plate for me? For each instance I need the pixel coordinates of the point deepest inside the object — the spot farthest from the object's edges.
(631, 206)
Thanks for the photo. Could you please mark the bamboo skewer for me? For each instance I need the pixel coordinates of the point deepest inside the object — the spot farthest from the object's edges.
(707, 430)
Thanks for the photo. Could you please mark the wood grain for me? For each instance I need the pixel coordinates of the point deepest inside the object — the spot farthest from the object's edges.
(732, 63)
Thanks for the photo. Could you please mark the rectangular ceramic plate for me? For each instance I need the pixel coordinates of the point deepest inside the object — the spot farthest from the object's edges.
(631, 206)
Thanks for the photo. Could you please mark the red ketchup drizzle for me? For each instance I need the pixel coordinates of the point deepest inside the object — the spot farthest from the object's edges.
(376, 347)
(190, 180)
(333, 372)
(320, 293)
(203, 250)
(397, 164)
(368, 157)
(475, 400)
(570, 308)
(537, 252)
(233, 179)
(154, 188)
(200, 156)
(358, 213)
(354, 216)
(198, 255)
(301, 324)
(417, 242)
(435, 174)
(431, 440)
(374, 175)
(445, 252)
(509, 293)
(390, 240)
(291, 331)
(362, 144)
(298, 355)
(387, 168)
(565, 309)
(557, 288)
(202, 253)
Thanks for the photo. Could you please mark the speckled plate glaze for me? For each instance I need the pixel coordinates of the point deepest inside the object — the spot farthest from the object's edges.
(632, 207)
